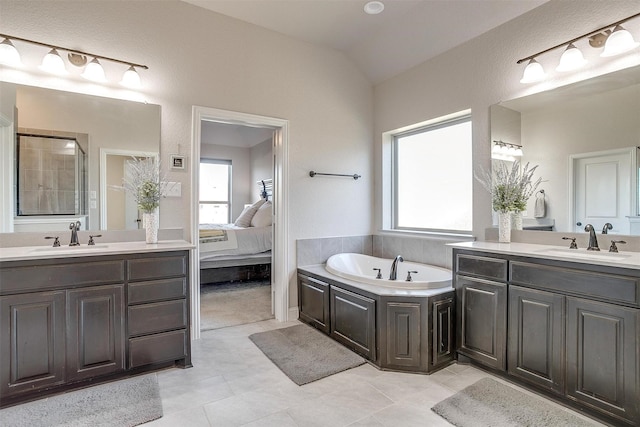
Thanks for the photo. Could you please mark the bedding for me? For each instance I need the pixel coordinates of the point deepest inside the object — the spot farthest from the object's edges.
(218, 240)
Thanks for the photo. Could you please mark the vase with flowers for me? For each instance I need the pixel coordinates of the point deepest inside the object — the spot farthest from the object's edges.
(145, 183)
(510, 188)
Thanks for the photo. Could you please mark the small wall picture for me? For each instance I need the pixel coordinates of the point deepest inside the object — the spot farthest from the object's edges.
(177, 161)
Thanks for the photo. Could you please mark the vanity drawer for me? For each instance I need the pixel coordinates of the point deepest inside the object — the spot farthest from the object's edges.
(601, 286)
(157, 268)
(157, 348)
(157, 317)
(68, 275)
(157, 290)
(480, 266)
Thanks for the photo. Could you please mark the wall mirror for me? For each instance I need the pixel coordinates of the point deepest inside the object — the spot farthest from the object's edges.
(61, 187)
(584, 137)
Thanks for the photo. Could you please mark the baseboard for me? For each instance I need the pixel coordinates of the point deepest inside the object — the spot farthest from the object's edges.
(293, 313)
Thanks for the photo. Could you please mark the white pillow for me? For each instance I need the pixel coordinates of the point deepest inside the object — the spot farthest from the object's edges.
(262, 218)
(244, 220)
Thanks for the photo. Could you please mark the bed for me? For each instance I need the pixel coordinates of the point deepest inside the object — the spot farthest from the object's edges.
(242, 250)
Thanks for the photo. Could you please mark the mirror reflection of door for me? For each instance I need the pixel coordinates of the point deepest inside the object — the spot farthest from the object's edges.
(119, 210)
(603, 185)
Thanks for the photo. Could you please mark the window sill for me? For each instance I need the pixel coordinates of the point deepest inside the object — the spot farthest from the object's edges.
(432, 235)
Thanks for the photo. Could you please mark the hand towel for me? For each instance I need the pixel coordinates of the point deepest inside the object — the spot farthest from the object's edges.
(539, 210)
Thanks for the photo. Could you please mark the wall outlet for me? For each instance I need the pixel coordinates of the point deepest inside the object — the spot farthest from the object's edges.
(93, 204)
(174, 189)
(93, 195)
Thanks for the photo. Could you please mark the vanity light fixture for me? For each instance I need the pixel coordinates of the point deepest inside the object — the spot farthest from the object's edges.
(619, 41)
(94, 72)
(9, 55)
(506, 151)
(571, 59)
(615, 42)
(53, 62)
(374, 7)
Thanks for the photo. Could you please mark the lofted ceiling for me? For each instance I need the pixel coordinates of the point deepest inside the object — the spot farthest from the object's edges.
(405, 34)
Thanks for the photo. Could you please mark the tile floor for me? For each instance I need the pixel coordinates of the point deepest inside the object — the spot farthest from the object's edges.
(232, 383)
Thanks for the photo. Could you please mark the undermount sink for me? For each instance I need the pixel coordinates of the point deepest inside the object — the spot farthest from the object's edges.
(585, 254)
(64, 248)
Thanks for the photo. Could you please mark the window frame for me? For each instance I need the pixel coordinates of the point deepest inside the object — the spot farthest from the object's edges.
(229, 163)
(391, 205)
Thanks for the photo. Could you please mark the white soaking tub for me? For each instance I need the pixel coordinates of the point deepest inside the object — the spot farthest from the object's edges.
(360, 268)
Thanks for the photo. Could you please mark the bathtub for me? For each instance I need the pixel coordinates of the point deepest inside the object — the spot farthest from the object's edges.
(360, 268)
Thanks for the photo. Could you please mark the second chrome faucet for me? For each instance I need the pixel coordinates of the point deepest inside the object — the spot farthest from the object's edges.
(393, 275)
(593, 240)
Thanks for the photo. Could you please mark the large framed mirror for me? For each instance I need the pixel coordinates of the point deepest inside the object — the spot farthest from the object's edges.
(58, 150)
(584, 137)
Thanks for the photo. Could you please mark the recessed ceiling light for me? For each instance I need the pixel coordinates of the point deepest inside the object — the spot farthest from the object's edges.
(374, 7)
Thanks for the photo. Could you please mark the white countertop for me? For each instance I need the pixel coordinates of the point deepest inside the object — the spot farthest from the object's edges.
(22, 253)
(561, 253)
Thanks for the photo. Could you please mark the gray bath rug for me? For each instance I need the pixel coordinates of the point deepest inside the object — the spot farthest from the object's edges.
(305, 354)
(123, 403)
(491, 403)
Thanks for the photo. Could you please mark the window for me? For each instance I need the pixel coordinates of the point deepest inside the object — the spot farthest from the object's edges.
(432, 176)
(215, 191)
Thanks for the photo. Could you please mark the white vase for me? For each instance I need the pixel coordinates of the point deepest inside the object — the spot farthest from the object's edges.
(150, 220)
(504, 227)
(516, 220)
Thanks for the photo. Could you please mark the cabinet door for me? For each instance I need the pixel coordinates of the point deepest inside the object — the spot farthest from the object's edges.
(353, 321)
(602, 357)
(313, 300)
(536, 337)
(443, 331)
(481, 312)
(32, 344)
(95, 331)
(403, 332)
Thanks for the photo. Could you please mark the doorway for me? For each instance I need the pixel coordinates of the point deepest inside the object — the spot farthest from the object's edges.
(603, 189)
(279, 265)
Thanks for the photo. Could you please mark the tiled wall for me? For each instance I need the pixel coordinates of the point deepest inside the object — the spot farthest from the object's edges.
(426, 251)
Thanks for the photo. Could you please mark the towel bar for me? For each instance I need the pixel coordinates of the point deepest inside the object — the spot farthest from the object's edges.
(354, 176)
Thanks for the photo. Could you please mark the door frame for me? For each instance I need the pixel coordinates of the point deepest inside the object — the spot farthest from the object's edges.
(280, 147)
(104, 152)
(573, 160)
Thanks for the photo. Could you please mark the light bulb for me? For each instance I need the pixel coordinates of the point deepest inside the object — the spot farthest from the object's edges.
(620, 41)
(53, 63)
(571, 59)
(9, 55)
(131, 79)
(94, 71)
(533, 73)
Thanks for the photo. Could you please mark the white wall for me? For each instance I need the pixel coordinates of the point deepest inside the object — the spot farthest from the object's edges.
(261, 164)
(483, 72)
(197, 57)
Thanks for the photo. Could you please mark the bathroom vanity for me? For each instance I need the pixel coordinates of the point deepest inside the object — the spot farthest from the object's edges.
(395, 329)
(73, 317)
(562, 322)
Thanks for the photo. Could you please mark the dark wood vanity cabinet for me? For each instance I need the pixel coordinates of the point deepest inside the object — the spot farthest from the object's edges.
(403, 333)
(572, 328)
(313, 302)
(353, 321)
(69, 321)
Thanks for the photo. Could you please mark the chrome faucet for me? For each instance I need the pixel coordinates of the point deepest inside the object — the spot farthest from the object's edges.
(74, 233)
(393, 275)
(606, 228)
(593, 241)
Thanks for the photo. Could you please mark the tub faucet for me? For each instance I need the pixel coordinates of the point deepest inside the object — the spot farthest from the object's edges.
(606, 228)
(74, 233)
(393, 275)
(593, 240)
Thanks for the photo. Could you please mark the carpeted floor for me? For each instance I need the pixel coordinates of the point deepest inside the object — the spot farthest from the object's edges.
(492, 403)
(231, 304)
(123, 403)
